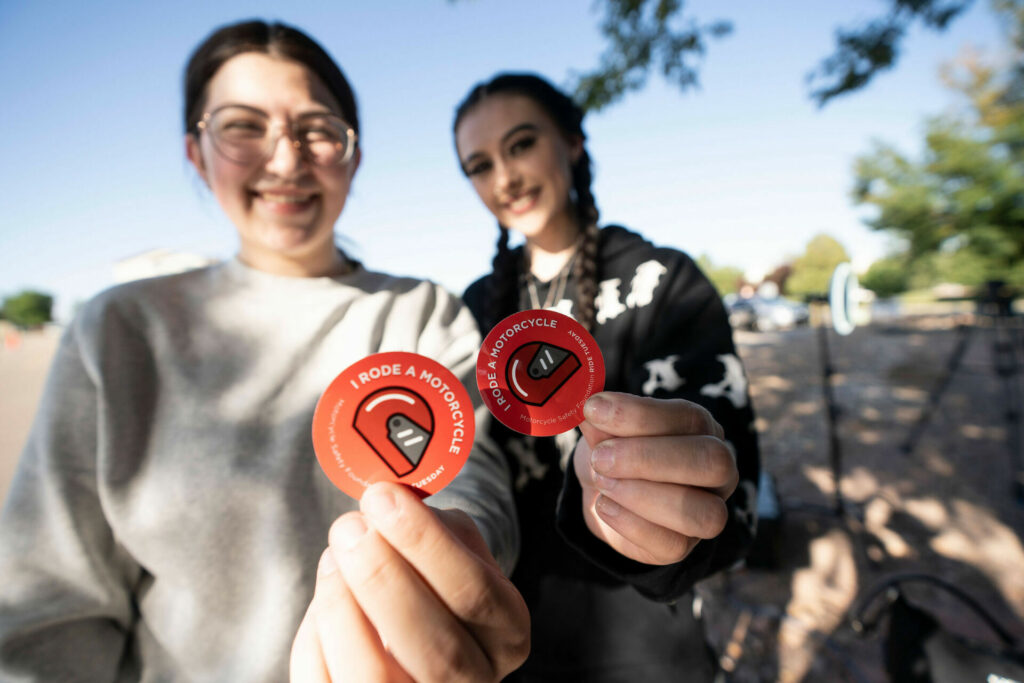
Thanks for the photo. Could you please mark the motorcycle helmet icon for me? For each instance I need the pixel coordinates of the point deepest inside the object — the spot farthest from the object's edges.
(535, 371)
(397, 424)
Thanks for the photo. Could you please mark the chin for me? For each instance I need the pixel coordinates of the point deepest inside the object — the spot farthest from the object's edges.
(289, 238)
(527, 226)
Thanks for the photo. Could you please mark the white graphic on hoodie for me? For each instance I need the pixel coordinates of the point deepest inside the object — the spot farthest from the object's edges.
(662, 375)
(564, 307)
(733, 386)
(641, 289)
(607, 301)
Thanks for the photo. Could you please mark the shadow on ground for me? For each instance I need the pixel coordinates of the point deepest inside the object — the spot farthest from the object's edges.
(945, 509)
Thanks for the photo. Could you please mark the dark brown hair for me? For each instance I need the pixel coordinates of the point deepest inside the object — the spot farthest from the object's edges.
(568, 116)
(277, 40)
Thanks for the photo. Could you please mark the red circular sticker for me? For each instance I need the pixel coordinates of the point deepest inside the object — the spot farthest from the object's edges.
(536, 369)
(393, 416)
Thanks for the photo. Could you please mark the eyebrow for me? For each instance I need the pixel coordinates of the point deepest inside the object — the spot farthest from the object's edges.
(504, 138)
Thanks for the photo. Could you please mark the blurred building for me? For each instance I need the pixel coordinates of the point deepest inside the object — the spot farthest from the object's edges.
(157, 262)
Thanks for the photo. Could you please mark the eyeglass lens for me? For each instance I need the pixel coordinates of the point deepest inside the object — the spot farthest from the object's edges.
(246, 135)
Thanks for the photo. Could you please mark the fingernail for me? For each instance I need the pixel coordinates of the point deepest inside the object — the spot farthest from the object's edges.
(602, 458)
(347, 532)
(606, 507)
(604, 483)
(327, 564)
(597, 408)
(378, 505)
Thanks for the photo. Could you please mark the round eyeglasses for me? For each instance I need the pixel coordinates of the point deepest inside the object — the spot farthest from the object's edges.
(247, 135)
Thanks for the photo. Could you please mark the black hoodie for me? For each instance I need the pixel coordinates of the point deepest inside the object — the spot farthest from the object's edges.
(597, 615)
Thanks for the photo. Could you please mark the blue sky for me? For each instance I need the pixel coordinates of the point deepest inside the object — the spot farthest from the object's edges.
(746, 169)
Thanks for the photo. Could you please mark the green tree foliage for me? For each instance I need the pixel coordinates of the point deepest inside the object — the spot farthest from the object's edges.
(726, 279)
(959, 208)
(887, 277)
(28, 309)
(646, 35)
(642, 35)
(962, 267)
(863, 52)
(813, 269)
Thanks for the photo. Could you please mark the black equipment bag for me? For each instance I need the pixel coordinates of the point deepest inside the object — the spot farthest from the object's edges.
(918, 649)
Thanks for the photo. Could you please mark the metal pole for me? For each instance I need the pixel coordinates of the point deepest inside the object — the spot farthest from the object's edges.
(832, 416)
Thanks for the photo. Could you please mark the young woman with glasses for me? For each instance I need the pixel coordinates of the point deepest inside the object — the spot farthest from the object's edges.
(168, 519)
(615, 530)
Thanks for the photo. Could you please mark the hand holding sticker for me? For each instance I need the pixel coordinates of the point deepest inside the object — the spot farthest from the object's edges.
(655, 475)
(393, 416)
(536, 369)
(405, 592)
(401, 417)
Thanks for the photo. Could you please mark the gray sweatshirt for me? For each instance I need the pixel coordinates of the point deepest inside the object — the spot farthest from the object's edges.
(168, 512)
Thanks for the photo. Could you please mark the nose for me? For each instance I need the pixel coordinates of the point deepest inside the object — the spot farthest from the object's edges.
(506, 176)
(285, 156)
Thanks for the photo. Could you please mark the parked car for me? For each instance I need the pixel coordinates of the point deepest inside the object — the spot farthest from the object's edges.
(764, 315)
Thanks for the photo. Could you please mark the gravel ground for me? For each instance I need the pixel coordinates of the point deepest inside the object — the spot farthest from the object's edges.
(946, 509)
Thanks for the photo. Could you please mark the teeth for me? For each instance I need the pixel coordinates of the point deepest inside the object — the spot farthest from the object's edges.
(284, 198)
(521, 202)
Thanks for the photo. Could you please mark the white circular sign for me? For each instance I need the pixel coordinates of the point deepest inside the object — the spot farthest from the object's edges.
(841, 292)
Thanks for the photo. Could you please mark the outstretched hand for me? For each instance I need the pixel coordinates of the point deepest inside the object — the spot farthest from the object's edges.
(404, 592)
(655, 475)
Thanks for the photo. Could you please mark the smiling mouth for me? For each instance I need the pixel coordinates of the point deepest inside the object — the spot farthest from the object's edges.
(286, 202)
(523, 202)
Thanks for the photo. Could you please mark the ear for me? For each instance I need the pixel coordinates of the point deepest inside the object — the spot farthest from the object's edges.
(195, 155)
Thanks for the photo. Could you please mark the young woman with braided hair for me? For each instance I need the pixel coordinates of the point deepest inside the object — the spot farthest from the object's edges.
(615, 531)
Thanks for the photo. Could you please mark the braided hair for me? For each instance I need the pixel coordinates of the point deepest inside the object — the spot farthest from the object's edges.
(507, 270)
